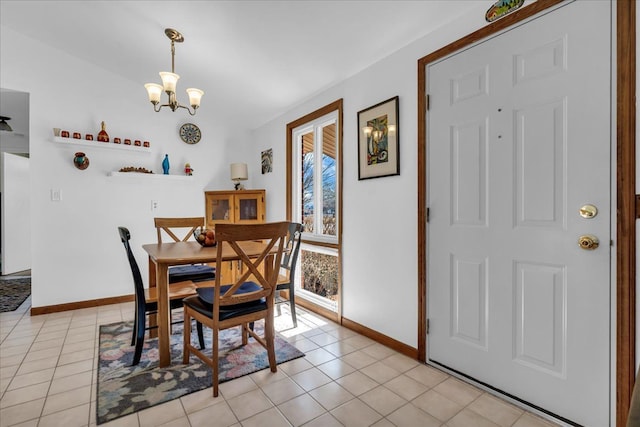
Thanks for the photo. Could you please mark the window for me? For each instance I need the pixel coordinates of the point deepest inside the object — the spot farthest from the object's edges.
(313, 199)
(316, 180)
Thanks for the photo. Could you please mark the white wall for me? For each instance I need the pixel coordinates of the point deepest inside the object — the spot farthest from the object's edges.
(77, 254)
(380, 266)
(16, 218)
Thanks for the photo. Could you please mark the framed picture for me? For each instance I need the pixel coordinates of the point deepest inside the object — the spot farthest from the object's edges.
(267, 161)
(378, 140)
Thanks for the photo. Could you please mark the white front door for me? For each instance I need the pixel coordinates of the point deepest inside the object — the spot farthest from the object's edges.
(518, 143)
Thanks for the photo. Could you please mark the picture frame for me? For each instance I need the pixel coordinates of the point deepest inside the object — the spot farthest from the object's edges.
(267, 161)
(378, 140)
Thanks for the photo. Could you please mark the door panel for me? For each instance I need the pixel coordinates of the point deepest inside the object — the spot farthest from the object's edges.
(540, 310)
(469, 301)
(540, 167)
(469, 171)
(518, 140)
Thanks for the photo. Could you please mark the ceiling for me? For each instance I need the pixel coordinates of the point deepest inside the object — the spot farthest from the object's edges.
(253, 59)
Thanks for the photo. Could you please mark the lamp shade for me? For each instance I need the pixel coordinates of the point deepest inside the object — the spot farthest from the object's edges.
(194, 96)
(154, 91)
(239, 172)
(169, 81)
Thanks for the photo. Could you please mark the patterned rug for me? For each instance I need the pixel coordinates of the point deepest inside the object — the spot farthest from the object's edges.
(13, 292)
(124, 389)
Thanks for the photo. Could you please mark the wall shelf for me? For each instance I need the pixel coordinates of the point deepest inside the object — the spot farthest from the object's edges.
(71, 142)
(138, 175)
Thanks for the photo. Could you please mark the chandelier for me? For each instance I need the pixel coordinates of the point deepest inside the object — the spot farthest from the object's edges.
(169, 82)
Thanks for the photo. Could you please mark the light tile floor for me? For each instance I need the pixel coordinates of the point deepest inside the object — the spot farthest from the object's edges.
(48, 378)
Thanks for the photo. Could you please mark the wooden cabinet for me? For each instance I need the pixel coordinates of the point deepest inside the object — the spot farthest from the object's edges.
(234, 207)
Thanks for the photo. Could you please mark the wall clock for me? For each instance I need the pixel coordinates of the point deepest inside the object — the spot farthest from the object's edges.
(190, 133)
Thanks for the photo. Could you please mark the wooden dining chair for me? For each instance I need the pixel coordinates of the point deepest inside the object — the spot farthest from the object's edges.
(249, 298)
(146, 299)
(173, 227)
(286, 281)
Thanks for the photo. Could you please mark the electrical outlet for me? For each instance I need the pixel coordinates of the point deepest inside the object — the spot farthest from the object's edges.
(56, 195)
(154, 205)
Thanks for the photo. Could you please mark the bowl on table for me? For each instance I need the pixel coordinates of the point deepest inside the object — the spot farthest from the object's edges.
(205, 237)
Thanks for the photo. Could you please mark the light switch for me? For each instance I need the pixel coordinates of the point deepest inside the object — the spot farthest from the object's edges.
(56, 195)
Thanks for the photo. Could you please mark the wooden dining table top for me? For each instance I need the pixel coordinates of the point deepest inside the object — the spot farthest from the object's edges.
(177, 253)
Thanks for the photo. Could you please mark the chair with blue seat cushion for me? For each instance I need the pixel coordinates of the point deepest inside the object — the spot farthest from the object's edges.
(248, 299)
(146, 299)
(170, 226)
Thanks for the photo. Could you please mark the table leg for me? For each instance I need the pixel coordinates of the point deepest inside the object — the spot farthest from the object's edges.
(164, 322)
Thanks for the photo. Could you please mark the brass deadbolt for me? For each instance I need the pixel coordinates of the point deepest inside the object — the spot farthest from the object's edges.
(588, 211)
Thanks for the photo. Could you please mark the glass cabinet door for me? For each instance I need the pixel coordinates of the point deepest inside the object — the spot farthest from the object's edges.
(219, 209)
(249, 208)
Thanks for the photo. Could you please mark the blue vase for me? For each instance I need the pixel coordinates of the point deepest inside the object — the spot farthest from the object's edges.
(165, 164)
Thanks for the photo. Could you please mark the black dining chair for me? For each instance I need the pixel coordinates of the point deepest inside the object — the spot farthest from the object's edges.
(286, 281)
(146, 300)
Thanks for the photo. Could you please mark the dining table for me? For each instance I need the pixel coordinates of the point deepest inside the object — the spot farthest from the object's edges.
(164, 255)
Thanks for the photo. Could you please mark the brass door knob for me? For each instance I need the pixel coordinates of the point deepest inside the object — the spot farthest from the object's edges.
(588, 242)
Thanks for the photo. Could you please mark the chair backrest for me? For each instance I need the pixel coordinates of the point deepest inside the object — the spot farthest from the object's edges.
(261, 270)
(125, 236)
(292, 248)
(170, 224)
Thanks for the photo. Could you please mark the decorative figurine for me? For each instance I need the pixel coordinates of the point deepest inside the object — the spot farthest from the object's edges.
(103, 136)
(188, 170)
(165, 165)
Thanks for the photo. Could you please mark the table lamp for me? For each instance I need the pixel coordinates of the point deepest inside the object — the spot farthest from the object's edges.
(239, 173)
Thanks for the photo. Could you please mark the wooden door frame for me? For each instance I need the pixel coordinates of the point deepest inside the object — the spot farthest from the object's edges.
(625, 185)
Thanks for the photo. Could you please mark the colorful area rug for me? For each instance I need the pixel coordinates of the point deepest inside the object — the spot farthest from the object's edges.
(124, 389)
(13, 292)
